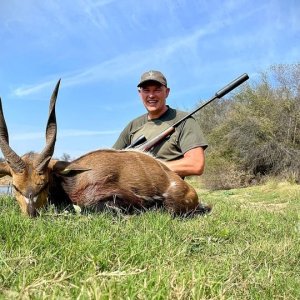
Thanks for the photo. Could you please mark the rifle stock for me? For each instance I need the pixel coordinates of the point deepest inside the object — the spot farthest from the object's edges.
(146, 146)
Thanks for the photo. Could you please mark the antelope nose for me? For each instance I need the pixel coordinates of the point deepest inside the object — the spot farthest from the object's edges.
(31, 210)
(30, 195)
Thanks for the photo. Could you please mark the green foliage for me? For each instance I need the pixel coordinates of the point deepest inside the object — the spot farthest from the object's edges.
(239, 251)
(258, 131)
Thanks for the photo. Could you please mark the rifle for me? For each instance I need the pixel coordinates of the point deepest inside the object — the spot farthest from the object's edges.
(222, 92)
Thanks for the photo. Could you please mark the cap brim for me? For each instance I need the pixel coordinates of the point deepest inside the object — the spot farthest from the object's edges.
(149, 80)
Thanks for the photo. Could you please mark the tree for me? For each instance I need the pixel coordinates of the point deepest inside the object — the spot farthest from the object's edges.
(66, 157)
(259, 133)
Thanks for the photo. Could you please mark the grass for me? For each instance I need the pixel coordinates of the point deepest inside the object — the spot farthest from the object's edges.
(247, 248)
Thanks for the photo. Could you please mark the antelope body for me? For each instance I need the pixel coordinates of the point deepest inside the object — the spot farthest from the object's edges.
(125, 179)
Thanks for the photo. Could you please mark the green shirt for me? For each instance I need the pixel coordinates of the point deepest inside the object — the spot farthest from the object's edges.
(187, 135)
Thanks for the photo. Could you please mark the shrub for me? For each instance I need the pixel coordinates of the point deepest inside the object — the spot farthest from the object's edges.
(256, 132)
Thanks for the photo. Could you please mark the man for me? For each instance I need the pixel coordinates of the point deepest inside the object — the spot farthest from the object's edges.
(183, 150)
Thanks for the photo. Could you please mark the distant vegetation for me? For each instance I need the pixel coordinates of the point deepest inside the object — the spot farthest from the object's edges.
(255, 133)
(66, 157)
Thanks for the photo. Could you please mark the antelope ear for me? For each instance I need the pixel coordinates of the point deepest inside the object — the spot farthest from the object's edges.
(4, 169)
(64, 167)
(57, 165)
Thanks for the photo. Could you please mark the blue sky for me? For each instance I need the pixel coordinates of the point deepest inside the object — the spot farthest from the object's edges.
(100, 48)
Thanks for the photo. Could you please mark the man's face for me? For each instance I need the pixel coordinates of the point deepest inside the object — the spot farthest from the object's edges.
(154, 98)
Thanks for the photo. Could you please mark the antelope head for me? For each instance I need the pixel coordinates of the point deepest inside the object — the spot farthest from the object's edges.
(31, 172)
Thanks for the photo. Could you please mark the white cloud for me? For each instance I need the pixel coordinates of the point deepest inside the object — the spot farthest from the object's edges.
(123, 64)
(33, 89)
(61, 134)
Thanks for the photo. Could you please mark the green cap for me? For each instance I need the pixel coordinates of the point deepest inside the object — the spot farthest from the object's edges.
(153, 76)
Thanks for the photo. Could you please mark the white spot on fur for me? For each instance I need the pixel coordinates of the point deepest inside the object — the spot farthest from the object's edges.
(27, 200)
(151, 199)
(77, 209)
(146, 198)
(173, 184)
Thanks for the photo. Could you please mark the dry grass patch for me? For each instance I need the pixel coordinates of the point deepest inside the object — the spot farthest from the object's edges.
(271, 207)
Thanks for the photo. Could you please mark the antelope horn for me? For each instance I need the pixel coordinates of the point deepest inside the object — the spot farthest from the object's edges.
(15, 161)
(43, 159)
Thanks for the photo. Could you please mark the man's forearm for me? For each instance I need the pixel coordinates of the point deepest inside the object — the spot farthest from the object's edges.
(185, 167)
(191, 164)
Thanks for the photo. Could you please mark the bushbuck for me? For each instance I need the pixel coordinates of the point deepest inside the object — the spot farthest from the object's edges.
(122, 179)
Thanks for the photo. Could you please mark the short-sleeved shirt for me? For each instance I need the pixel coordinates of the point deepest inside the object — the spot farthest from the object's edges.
(186, 136)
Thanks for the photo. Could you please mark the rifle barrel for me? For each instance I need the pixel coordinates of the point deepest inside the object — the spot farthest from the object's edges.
(232, 85)
(138, 141)
(222, 92)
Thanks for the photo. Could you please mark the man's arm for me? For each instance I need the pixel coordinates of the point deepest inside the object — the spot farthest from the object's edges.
(192, 163)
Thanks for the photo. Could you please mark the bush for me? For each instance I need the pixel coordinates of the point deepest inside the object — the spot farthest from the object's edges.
(223, 174)
(256, 132)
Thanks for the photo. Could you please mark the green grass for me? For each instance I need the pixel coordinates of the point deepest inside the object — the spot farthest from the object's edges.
(247, 248)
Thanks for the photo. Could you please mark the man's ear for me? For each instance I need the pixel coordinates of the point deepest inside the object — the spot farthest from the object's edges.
(167, 92)
(64, 167)
(4, 169)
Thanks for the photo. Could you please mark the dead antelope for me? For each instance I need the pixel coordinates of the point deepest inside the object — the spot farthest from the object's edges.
(124, 179)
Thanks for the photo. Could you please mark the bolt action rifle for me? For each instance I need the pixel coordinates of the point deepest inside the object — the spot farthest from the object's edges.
(141, 143)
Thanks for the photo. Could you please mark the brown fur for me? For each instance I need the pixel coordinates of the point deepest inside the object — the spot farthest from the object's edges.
(126, 179)
(28, 184)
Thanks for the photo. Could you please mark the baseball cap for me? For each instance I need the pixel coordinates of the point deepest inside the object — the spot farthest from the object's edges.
(153, 76)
